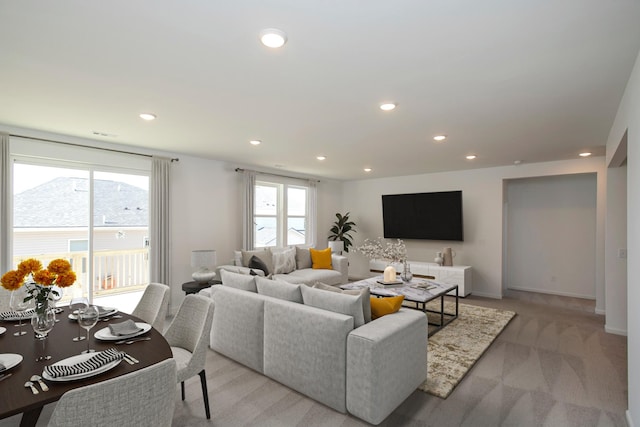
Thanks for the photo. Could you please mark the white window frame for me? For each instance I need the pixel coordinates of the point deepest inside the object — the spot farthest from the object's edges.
(282, 186)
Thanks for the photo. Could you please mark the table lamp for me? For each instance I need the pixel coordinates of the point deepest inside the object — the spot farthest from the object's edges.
(203, 260)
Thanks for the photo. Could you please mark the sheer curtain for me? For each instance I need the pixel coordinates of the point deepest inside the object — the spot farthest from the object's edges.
(313, 213)
(6, 263)
(248, 208)
(159, 227)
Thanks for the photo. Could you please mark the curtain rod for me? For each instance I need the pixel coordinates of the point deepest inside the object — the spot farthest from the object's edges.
(113, 150)
(274, 174)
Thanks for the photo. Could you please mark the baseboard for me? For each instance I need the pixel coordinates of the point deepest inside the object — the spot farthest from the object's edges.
(615, 331)
(486, 295)
(629, 420)
(545, 291)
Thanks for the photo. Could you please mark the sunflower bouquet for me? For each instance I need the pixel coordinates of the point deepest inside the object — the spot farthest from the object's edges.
(40, 282)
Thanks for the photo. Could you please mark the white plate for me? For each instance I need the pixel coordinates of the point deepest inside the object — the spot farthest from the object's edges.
(107, 311)
(78, 359)
(2, 330)
(9, 360)
(105, 334)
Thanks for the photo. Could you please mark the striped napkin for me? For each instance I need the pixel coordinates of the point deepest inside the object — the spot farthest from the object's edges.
(91, 364)
(17, 315)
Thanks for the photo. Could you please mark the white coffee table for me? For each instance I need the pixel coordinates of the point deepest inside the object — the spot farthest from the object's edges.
(418, 291)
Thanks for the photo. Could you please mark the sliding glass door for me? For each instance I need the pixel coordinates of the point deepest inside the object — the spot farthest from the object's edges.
(98, 220)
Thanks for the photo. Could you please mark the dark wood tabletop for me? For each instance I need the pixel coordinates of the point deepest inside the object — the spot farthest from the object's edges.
(60, 345)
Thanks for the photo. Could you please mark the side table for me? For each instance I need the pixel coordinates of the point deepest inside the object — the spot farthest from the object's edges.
(195, 287)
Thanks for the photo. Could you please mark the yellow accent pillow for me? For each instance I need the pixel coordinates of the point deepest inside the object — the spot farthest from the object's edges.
(321, 258)
(382, 306)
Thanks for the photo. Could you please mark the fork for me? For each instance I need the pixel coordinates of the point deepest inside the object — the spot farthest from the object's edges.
(131, 341)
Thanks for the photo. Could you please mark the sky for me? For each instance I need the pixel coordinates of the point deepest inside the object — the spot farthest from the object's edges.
(27, 176)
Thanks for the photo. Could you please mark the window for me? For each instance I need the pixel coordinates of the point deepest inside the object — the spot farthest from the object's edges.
(96, 219)
(281, 214)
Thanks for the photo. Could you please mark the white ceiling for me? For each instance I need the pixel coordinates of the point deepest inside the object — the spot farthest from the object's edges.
(529, 80)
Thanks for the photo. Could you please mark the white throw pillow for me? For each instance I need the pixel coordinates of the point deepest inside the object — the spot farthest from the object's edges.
(244, 282)
(284, 262)
(350, 305)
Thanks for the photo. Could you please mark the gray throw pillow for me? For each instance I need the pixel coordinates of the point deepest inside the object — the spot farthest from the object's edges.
(263, 254)
(303, 258)
(244, 282)
(279, 289)
(366, 295)
(350, 305)
(258, 264)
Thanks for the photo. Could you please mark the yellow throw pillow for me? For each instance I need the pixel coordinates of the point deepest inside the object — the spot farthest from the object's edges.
(321, 258)
(382, 306)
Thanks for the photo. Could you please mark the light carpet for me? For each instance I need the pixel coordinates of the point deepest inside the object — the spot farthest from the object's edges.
(453, 350)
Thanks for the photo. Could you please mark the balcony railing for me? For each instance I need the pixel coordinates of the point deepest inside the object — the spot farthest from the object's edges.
(113, 271)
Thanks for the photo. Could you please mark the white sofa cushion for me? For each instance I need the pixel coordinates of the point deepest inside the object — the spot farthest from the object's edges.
(351, 305)
(279, 289)
(309, 276)
(366, 295)
(238, 326)
(244, 282)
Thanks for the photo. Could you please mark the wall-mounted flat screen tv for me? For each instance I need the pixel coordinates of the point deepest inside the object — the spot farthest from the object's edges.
(430, 216)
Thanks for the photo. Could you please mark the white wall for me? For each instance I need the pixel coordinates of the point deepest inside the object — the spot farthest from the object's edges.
(207, 214)
(206, 201)
(628, 120)
(483, 222)
(550, 235)
(616, 239)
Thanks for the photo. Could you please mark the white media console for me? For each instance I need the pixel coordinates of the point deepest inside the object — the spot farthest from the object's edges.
(457, 275)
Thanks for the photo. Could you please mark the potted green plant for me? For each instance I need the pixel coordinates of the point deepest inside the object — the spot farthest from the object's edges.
(341, 232)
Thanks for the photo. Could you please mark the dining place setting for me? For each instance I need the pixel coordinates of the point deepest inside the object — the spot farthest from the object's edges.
(72, 346)
(63, 362)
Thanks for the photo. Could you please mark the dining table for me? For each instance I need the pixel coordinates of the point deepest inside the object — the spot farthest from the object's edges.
(17, 398)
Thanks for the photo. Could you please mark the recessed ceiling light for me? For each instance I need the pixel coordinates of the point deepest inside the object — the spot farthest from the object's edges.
(368, 169)
(255, 142)
(147, 116)
(440, 137)
(321, 157)
(388, 106)
(471, 157)
(272, 37)
(585, 154)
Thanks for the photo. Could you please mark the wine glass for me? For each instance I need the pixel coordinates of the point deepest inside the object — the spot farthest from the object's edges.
(19, 305)
(42, 324)
(87, 318)
(75, 306)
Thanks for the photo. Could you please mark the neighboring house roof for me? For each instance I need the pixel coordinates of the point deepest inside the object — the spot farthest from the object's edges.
(64, 202)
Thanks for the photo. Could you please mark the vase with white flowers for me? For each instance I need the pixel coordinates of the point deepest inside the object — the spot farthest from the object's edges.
(392, 252)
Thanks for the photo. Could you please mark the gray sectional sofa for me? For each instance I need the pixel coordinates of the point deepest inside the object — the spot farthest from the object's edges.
(366, 370)
(302, 273)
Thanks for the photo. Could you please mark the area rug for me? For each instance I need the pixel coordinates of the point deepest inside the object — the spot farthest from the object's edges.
(453, 350)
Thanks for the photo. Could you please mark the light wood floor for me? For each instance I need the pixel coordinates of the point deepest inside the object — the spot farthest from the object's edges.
(552, 366)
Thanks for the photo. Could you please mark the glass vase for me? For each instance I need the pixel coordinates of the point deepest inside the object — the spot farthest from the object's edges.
(406, 275)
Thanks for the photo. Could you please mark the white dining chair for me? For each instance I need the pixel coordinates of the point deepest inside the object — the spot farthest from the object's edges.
(153, 305)
(142, 398)
(188, 336)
